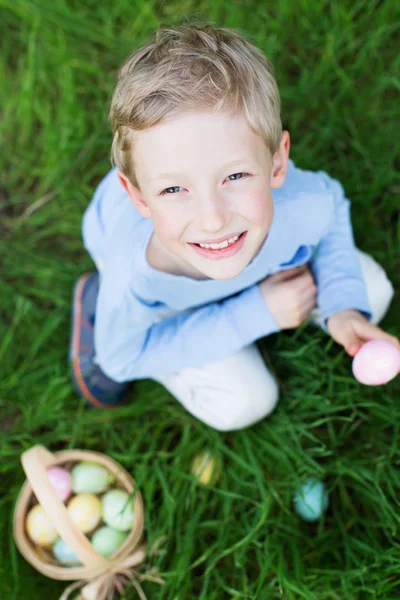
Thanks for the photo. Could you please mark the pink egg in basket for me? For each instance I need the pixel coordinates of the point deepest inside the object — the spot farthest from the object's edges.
(377, 362)
(61, 481)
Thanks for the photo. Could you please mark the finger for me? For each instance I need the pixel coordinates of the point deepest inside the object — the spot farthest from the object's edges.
(346, 336)
(308, 306)
(290, 273)
(305, 284)
(308, 303)
(350, 341)
(367, 331)
(354, 347)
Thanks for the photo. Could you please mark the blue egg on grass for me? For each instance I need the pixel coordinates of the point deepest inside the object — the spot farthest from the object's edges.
(64, 554)
(311, 500)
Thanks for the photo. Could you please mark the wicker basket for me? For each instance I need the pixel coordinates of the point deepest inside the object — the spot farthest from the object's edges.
(101, 574)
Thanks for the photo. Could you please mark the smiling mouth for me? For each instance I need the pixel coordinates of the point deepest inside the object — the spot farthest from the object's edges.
(220, 253)
(219, 249)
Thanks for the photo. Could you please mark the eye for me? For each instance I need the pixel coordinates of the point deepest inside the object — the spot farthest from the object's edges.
(244, 176)
(164, 192)
(170, 188)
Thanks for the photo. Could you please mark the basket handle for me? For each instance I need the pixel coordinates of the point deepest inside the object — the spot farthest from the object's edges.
(35, 461)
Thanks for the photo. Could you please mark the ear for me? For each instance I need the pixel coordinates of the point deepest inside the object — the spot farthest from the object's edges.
(135, 195)
(280, 161)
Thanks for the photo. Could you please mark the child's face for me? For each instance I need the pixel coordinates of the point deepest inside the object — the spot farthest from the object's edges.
(201, 200)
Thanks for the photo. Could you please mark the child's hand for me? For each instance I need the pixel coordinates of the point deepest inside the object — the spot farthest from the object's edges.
(350, 329)
(290, 296)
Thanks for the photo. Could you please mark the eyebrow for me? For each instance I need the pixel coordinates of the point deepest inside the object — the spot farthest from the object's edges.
(177, 173)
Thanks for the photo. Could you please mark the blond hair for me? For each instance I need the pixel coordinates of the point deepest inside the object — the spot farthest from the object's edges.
(192, 66)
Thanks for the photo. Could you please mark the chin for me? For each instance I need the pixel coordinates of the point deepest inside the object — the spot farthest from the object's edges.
(225, 275)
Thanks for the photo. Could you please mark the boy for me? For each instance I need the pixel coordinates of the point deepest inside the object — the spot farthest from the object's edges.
(206, 236)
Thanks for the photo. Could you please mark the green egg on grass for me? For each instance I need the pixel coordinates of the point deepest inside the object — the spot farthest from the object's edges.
(106, 540)
(89, 477)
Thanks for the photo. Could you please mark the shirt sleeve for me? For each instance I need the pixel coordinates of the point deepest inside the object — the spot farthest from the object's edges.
(336, 267)
(128, 347)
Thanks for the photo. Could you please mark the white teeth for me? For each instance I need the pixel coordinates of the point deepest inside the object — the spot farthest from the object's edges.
(223, 244)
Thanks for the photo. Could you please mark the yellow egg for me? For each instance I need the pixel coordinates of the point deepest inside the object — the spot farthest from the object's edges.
(85, 511)
(40, 528)
(204, 467)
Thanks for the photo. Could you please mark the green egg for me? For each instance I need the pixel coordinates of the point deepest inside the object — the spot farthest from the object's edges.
(90, 477)
(117, 510)
(106, 540)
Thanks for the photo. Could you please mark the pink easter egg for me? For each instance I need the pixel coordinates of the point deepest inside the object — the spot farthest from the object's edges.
(61, 481)
(376, 363)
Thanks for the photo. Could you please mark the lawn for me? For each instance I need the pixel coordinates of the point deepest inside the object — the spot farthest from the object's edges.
(337, 65)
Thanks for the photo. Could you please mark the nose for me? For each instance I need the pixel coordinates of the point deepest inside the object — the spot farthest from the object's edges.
(212, 214)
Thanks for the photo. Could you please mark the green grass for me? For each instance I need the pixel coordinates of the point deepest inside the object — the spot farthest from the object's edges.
(337, 64)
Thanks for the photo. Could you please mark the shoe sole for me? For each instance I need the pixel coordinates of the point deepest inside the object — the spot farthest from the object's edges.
(79, 383)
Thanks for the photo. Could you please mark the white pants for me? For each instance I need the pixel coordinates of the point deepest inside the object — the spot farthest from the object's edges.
(239, 390)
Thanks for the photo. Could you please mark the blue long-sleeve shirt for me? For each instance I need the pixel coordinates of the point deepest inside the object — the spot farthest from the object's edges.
(149, 322)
